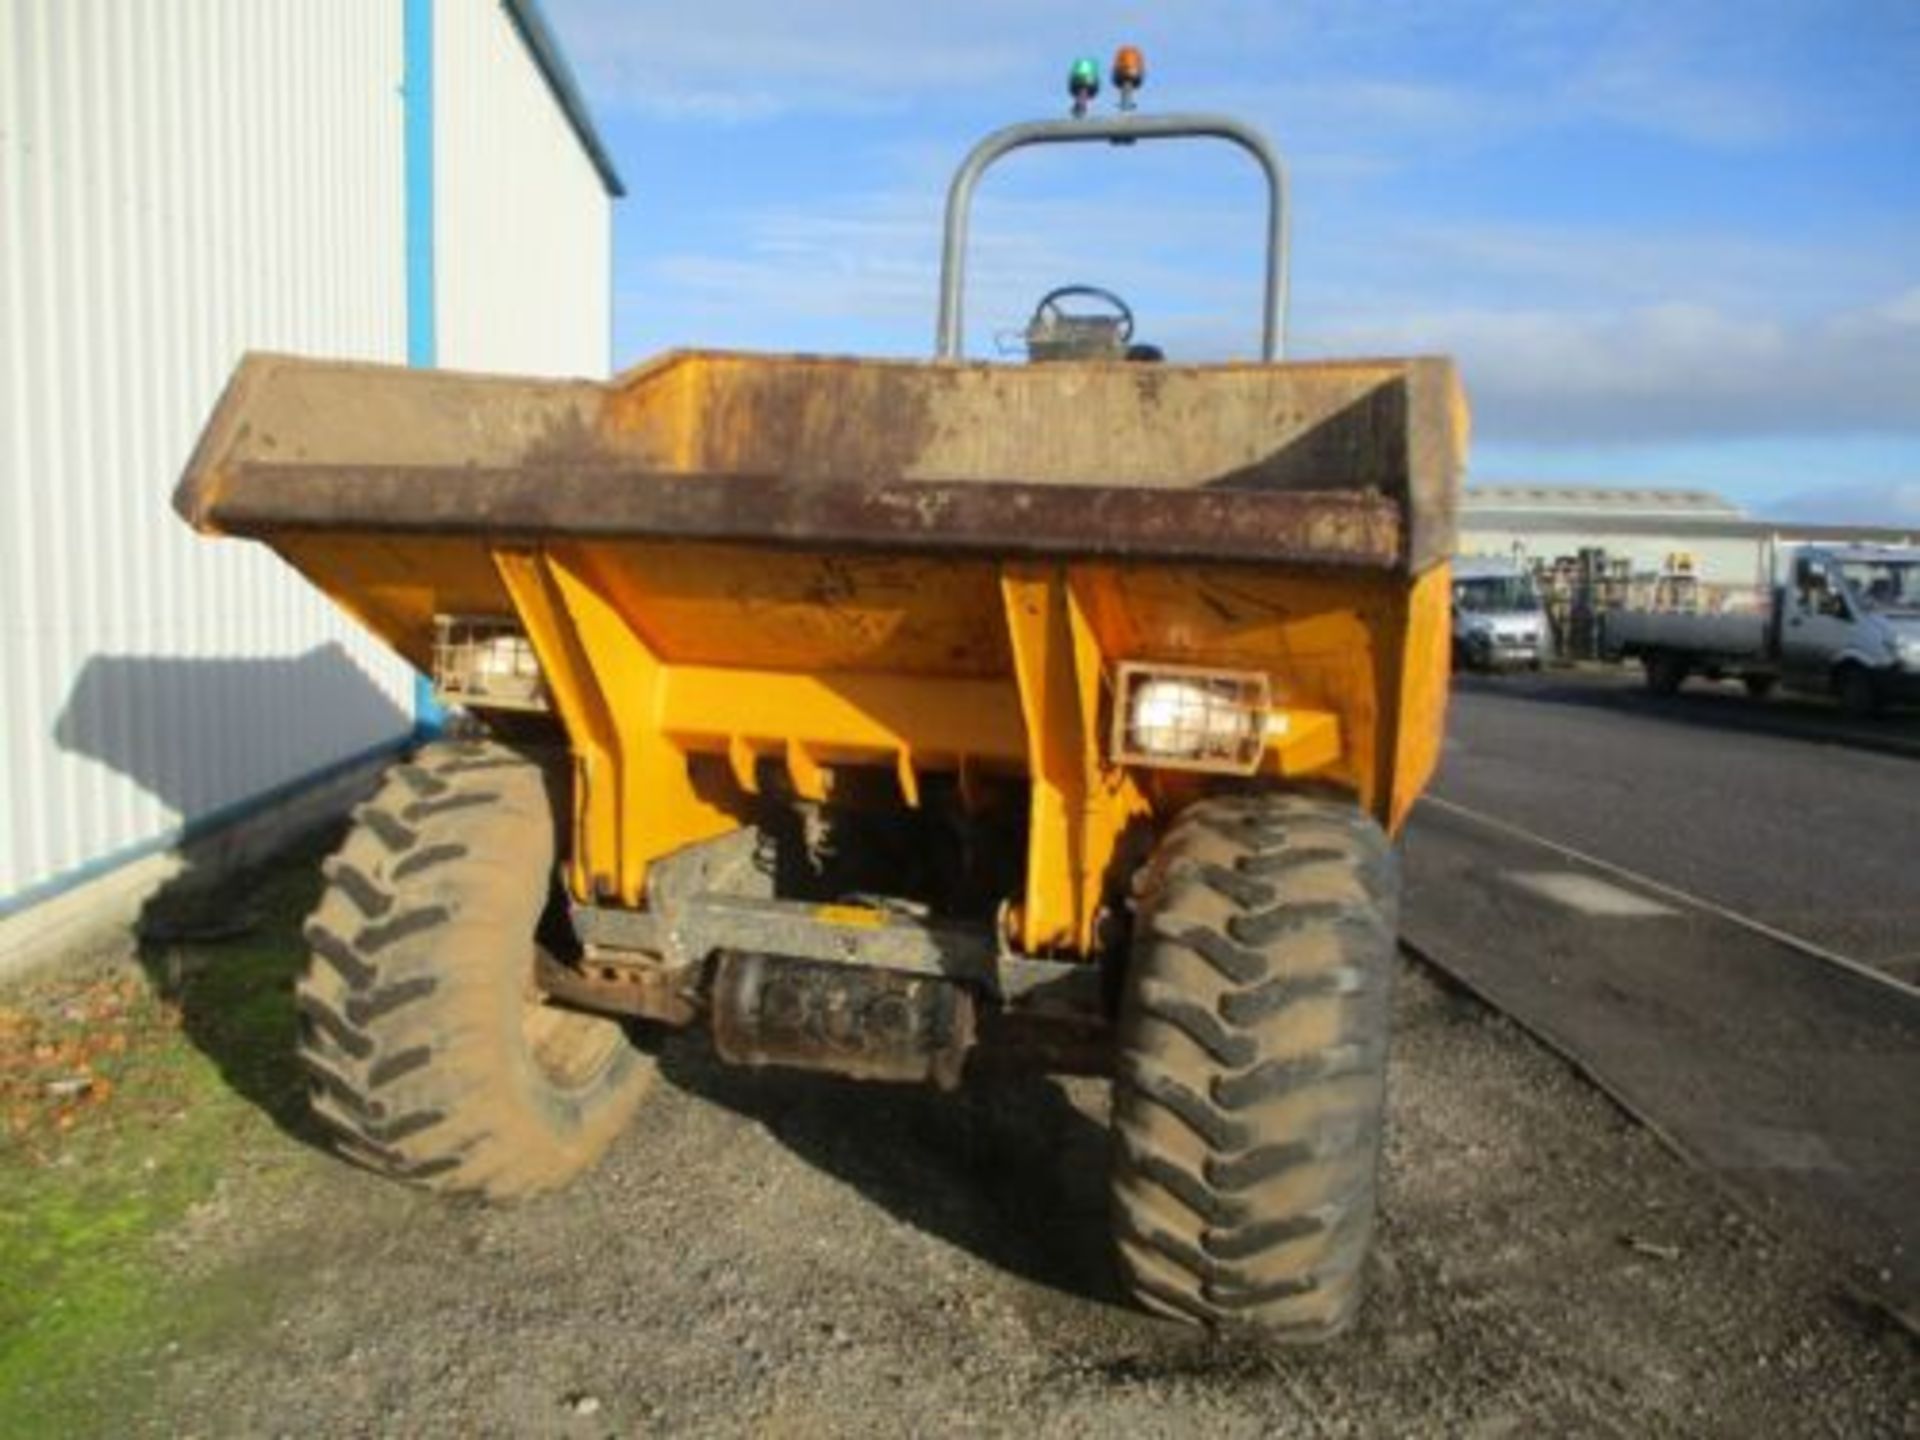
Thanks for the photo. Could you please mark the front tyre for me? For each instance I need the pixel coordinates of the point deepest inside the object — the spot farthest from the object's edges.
(431, 1057)
(1666, 672)
(1858, 692)
(1251, 1080)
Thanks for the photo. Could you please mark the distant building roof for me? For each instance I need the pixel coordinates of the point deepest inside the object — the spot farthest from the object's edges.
(546, 52)
(1477, 526)
(1592, 500)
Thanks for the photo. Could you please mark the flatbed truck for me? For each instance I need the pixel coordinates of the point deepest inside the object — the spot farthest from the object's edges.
(1845, 622)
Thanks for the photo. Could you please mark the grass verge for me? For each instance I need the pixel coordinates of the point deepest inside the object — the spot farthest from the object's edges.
(133, 1088)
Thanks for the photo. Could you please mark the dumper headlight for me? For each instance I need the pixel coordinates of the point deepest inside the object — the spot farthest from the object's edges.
(1186, 718)
(483, 660)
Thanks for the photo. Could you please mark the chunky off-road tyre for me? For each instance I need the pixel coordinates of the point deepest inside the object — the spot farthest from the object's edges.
(429, 1053)
(1251, 1076)
(1858, 693)
(1666, 672)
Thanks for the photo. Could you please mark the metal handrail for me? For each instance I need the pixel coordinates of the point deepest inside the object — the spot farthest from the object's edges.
(1123, 129)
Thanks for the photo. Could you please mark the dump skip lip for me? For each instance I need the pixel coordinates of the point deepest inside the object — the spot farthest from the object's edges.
(1331, 526)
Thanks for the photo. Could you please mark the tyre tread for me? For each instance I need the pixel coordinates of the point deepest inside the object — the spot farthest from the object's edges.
(1244, 1165)
(409, 1069)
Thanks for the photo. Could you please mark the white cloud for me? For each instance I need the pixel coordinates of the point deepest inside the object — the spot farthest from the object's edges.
(1669, 371)
(1902, 309)
(1891, 502)
(1685, 74)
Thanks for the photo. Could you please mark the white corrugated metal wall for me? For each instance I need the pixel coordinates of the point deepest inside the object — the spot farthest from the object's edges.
(516, 291)
(179, 183)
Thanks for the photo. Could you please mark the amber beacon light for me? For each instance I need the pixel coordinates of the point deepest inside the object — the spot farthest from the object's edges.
(1129, 73)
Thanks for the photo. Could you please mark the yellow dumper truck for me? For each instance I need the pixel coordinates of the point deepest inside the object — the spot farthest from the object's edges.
(878, 717)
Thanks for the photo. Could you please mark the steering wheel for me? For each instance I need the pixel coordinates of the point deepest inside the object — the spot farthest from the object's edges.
(1049, 307)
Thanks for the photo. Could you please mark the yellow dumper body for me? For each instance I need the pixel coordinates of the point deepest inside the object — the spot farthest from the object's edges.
(740, 570)
(914, 714)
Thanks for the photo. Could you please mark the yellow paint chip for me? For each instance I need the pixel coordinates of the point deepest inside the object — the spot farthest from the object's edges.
(856, 915)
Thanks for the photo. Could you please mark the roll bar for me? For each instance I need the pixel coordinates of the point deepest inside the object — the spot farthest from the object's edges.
(1122, 129)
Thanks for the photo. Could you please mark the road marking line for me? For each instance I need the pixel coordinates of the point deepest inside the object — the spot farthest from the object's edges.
(1759, 927)
(1774, 1147)
(1742, 1198)
(1587, 895)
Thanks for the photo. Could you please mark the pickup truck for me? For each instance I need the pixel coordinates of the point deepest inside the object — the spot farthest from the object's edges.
(1845, 623)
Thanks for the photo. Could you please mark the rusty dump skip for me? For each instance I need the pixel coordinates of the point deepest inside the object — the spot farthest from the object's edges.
(1353, 463)
(734, 572)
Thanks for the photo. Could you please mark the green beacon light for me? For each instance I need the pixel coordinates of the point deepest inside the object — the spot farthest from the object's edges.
(1083, 83)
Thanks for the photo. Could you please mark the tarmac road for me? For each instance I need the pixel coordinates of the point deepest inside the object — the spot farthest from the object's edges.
(1790, 1076)
(1781, 810)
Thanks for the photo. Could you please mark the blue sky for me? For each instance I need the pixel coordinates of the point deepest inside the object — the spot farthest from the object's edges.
(1672, 243)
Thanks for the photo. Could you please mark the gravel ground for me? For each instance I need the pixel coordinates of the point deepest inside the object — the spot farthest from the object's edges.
(788, 1255)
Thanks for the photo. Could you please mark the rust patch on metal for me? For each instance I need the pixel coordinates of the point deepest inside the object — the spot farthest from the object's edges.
(567, 439)
(821, 433)
(1327, 526)
(867, 1024)
(619, 985)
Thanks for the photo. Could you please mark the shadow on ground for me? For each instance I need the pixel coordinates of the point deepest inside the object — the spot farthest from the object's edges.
(1709, 706)
(1006, 1168)
(221, 940)
(225, 949)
